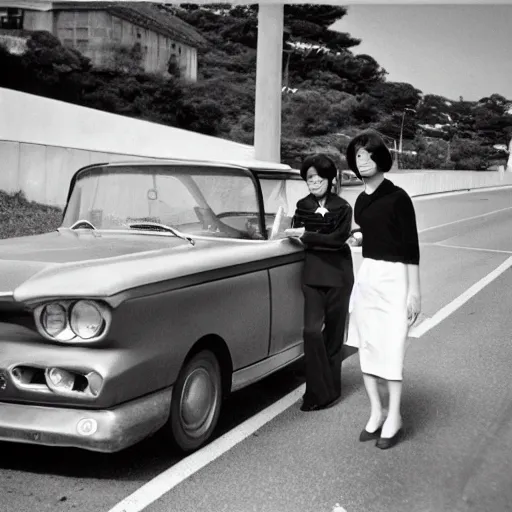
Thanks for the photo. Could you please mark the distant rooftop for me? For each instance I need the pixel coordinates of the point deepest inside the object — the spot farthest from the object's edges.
(143, 14)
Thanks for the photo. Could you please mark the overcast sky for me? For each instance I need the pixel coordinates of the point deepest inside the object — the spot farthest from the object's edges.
(450, 50)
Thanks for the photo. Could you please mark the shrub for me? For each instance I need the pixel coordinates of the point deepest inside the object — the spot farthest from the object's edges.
(313, 111)
(367, 109)
(469, 154)
(342, 113)
(19, 217)
(294, 150)
(472, 163)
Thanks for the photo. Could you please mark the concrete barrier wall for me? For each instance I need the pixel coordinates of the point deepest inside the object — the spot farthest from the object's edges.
(44, 172)
(43, 142)
(432, 182)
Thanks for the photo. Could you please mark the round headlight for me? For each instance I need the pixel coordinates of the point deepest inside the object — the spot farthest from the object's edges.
(53, 319)
(86, 319)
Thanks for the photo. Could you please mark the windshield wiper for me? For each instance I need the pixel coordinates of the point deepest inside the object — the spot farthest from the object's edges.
(155, 226)
(82, 222)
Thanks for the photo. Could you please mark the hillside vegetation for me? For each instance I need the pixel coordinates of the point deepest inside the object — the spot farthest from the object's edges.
(19, 217)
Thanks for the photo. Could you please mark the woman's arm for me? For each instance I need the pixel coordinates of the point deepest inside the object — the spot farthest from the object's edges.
(337, 237)
(407, 219)
(413, 293)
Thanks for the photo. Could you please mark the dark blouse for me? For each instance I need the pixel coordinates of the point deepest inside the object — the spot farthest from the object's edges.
(388, 222)
(328, 259)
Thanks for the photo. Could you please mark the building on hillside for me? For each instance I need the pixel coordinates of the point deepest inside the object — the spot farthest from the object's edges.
(102, 31)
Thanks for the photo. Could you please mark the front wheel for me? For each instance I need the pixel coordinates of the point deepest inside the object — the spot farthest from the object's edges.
(196, 401)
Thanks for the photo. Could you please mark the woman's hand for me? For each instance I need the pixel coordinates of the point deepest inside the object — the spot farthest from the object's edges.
(414, 293)
(294, 232)
(413, 307)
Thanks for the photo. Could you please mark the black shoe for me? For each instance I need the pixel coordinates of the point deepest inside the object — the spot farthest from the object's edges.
(334, 401)
(307, 407)
(369, 436)
(388, 442)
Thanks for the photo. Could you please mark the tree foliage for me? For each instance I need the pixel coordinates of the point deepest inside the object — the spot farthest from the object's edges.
(395, 96)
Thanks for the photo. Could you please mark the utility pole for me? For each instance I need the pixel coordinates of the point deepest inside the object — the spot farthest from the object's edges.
(406, 109)
(400, 144)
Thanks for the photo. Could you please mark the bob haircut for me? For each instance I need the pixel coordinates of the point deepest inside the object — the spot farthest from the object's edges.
(372, 141)
(324, 165)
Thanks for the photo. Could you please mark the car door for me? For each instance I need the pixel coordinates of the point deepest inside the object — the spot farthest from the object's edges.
(281, 189)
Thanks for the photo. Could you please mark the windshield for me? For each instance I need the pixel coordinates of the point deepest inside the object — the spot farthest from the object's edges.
(195, 200)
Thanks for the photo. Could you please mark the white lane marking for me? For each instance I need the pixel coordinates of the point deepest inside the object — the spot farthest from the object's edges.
(439, 244)
(465, 219)
(171, 477)
(455, 304)
(436, 195)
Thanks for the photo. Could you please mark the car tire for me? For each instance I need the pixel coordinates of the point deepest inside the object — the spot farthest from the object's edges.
(196, 402)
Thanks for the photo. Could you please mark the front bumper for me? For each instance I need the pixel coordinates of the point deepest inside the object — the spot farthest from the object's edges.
(108, 430)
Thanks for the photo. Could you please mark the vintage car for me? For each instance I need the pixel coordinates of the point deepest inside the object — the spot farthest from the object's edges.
(167, 286)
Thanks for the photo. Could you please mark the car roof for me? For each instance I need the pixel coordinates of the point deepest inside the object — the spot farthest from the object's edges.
(255, 165)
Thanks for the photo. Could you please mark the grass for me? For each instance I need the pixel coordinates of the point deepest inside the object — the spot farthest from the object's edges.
(19, 217)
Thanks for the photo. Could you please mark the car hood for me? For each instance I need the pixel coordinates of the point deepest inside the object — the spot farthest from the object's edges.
(69, 264)
(73, 246)
(25, 257)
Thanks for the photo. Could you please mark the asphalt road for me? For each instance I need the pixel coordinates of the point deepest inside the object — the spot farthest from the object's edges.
(457, 455)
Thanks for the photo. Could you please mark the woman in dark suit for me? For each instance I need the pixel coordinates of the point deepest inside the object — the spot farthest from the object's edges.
(323, 221)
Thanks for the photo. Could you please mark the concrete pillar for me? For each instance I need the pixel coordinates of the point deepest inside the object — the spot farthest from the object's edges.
(267, 119)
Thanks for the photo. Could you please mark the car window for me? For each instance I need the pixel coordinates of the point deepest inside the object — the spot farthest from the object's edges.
(116, 199)
(233, 193)
(281, 191)
(204, 201)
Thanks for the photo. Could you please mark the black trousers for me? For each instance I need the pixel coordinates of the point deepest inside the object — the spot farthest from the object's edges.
(323, 349)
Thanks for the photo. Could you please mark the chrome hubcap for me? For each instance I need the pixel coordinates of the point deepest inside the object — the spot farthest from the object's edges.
(198, 402)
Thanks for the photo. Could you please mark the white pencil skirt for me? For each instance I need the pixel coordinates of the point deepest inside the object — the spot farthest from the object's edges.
(378, 317)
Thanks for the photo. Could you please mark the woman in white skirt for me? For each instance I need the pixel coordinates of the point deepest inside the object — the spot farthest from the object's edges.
(386, 298)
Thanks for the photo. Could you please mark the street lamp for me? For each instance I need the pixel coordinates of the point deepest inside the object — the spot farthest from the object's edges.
(406, 109)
